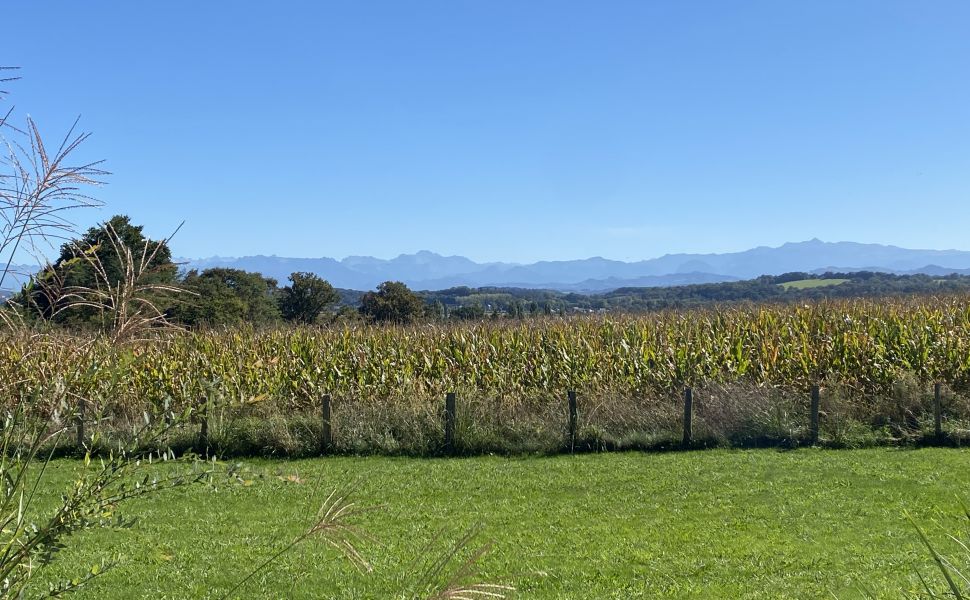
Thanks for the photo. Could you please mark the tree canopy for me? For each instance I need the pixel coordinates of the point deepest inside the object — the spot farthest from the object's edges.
(306, 298)
(392, 302)
(97, 260)
(223, 296)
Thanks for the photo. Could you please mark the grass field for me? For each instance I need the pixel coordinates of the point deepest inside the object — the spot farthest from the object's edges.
(713, 524)
(804, 284)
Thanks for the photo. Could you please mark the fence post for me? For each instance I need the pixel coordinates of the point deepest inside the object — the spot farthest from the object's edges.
(573, 420)
(450, 410)
(326, 432)
(688, 416)
(938, 410)
(813, 427)
(80, 424)
(204, 426)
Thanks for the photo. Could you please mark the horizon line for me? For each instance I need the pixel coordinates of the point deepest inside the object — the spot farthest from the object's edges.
(520, 263)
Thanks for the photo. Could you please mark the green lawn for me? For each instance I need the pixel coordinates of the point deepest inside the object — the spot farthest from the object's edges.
(705, 524)
(804, 284)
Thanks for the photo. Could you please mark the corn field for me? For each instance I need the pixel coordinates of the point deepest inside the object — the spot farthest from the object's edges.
(624, 365)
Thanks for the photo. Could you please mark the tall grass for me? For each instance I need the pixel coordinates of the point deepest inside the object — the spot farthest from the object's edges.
(752, 367)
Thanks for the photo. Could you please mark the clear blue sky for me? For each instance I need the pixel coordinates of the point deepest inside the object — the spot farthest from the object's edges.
(511, 130)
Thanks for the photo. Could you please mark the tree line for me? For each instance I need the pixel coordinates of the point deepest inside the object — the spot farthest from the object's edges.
(95, 273)
(73, 290)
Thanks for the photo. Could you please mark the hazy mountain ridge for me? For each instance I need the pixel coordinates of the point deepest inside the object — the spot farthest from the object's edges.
(430, 271)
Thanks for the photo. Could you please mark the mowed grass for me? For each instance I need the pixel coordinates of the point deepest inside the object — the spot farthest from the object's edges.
(706, 524)
(804, 284)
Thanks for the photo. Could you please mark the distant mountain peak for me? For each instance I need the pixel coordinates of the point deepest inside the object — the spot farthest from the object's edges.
(812, 242)
(426, 269)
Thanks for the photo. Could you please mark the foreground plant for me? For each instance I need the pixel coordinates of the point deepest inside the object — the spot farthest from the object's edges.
(952, 579)
(38, 188)
(335, 525)
(31, 536)
(454, 574)
(451, 575)
(954, 570)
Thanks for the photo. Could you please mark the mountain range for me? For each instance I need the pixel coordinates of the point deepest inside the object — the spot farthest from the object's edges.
(429, 271)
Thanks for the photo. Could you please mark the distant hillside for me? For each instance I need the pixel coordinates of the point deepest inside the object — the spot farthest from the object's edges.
(430, 271)
(464, 302)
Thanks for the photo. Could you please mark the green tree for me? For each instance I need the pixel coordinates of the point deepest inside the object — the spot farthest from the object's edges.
(228, 297)
(95, 261)
(469, 312)
(392, 302)
(436, 310)
(306, 298)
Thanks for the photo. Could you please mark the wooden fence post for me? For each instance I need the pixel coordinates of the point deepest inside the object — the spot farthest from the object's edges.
(688, 417)
(813, 419)
(204, 426)
(326, 431)
(938, 410)
(80, 424)
(450, 416)
(573, 420)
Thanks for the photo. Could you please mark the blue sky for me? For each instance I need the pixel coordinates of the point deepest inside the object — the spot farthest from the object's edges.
(511, 130)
